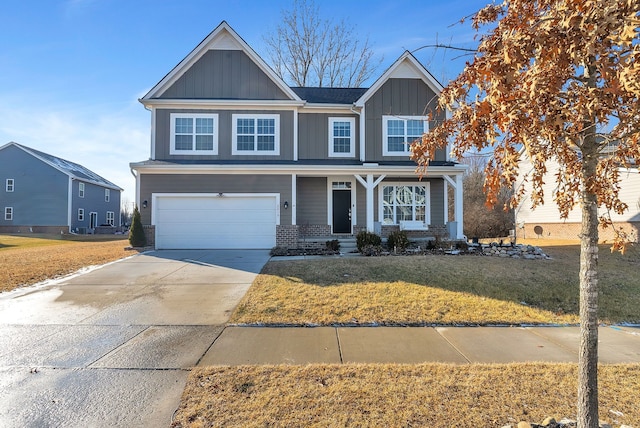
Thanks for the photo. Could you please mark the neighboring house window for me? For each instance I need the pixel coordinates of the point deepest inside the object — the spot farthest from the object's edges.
(256, 134)
(110, 217)
(405, 203)
(194, 134)
(80, 214)
(400, 132)
(10, 185)
(342, 136)
(8, 213)
(107, 195)
(81, 190)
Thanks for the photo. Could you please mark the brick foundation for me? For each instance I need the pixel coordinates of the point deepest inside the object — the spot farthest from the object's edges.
(58, 230)
(432, 232)
(150, 234)
(287, 236)
(572, 231)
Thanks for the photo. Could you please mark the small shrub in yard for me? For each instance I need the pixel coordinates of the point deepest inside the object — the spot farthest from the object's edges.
(136, 234)
(333, 245)
(279, 251)
(365, 238)
(398, 241)
(371, 250)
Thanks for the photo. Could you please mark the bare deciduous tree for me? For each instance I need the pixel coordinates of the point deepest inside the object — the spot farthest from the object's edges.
(307, 50)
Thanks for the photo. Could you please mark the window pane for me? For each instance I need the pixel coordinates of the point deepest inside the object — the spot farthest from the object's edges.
(204, 142)
(266, 143)
(341, 129)
(420, 195)
(420, 210)
(266, 126)
(204, 126)
(184, 142)
(245, 142)
(404, 213)
(341, 145)
(395, 127)
(404, 195)
(388, 213)
(184, 125)
(245, 126)
(387, 194)
(415, 129)
(396, 144)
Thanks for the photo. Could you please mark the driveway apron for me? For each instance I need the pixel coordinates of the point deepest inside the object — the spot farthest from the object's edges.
(113, 347)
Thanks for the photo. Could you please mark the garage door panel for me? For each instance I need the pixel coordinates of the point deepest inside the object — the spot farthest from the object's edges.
(215, 222)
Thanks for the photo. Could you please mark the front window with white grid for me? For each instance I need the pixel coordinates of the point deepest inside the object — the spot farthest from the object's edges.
(404, 203)
(341, 137)
(194, 134)
(400, 132)
(256, 134)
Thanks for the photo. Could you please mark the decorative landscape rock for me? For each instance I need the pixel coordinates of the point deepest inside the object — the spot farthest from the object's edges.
(552, 423)
(518, 251)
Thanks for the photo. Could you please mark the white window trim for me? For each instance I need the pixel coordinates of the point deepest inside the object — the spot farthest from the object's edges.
(385, 133)
(8, 213)
(10, 185)
(193, 151)
(111, 220)
(352, 138)
(107, 195)
(81, 190)
(427, 201)
(80, 214)
(255, 151)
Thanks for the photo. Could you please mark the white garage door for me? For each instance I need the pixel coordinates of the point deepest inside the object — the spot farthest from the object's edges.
(201, 222)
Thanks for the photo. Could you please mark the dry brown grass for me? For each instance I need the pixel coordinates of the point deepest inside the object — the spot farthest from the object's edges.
(439, 289)
(427, 395)
(27, 260)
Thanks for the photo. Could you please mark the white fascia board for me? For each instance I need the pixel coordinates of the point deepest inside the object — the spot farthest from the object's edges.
(205, 104)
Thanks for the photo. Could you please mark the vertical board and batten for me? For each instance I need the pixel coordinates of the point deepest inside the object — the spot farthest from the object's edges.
(313, 136)
(224, 74)
(40, 194)
(401, 97)
(311, 200)
(225, 132)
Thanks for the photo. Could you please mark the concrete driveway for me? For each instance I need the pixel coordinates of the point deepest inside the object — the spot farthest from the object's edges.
(113, 347)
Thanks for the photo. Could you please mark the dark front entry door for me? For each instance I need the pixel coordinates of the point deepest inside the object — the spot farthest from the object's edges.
(342, 211)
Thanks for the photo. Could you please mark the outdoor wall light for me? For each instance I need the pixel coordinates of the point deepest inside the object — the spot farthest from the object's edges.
(144, 204)
(220, 194)
(286, 205)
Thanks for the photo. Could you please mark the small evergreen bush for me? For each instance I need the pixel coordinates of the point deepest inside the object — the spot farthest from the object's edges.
(365, 238)
(137, 237)
(333, 245)
(398, 240)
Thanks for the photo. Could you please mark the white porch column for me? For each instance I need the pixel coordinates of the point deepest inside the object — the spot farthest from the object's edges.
(458, 204)
(294, 199)
(369, 186)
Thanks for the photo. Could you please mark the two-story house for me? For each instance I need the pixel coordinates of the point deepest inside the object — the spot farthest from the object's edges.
(43, 193)
(241, 160)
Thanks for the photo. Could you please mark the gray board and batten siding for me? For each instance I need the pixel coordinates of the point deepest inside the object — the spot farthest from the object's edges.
(224, 74)
(313, 135)
(225, 132)
(214, 184)
(40, 191)
(311, 200)
(401, 97)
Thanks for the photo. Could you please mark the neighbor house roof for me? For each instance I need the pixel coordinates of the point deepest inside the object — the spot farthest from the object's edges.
(72, 169)
(329, 95)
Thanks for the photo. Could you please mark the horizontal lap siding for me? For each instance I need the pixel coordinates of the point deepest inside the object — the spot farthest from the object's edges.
(312, 200)
(225, 133)
(402, 97)
(224, 74)
(212, 183)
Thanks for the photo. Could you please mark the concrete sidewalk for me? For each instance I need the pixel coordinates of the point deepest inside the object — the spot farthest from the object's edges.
(410, 345)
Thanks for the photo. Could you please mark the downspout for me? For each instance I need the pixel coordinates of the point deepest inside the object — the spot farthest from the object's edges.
(136, 176)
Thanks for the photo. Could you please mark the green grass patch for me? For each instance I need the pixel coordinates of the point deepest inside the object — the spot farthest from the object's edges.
(437, 289)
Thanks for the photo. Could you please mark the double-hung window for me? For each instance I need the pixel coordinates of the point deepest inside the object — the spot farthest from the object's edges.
(107, 195)
(399, 132)
(256, 134)
(81, 190)
(405, 202)
(342, 136)
(8, 213)
(110, 217)
(194, 134)
(10, 185)
(80, 214)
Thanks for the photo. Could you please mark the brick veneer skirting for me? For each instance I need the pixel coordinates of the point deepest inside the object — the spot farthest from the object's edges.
(572, 231)
(35, 229)
(150, 234)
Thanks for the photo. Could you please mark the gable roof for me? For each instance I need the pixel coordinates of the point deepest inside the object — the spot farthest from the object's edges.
(222, 37)
(329, 95)
(69, 168)
(407, 66)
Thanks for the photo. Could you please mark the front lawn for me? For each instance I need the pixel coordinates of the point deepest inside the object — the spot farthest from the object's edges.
(439, 289)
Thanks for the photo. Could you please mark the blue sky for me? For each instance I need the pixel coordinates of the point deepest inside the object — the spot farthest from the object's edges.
(71, 71)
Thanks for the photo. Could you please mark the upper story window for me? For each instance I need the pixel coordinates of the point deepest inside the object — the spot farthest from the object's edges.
(342, 136)
(10, 185)
(399, 132)
(110, 217)
(107, 195)
(256, 134)
(194, 134)
(8, 213)
(81, 190)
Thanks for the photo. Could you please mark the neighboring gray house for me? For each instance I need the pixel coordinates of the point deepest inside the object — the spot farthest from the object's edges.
(46, 194)
(241, 160)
